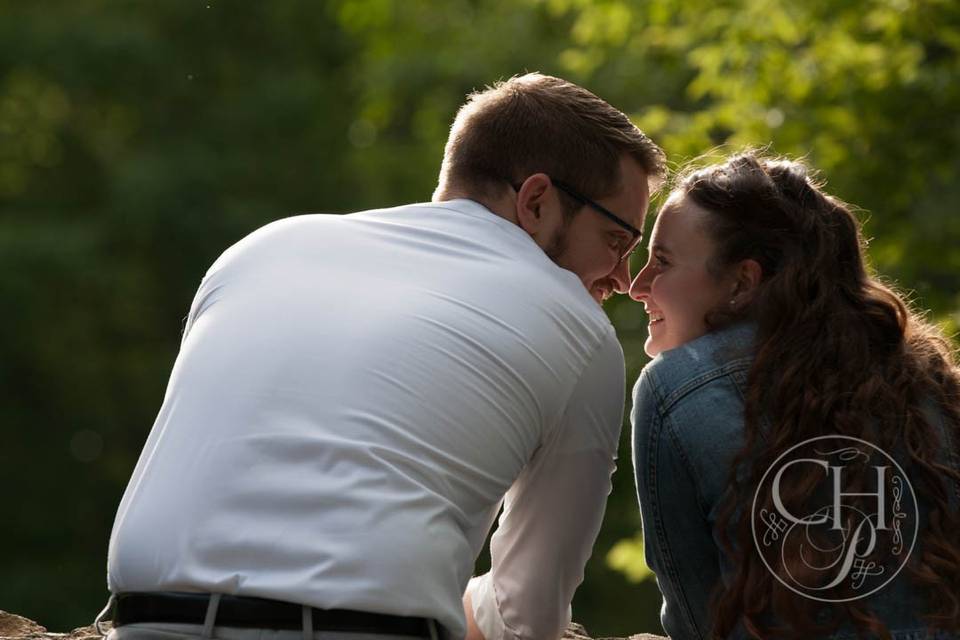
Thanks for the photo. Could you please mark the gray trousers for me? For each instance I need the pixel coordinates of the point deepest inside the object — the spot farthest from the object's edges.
(209, 630)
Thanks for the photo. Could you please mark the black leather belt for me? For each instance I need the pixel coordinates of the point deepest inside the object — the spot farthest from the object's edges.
(241, 611)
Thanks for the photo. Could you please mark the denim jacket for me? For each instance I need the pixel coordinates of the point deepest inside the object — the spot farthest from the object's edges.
(687, 426)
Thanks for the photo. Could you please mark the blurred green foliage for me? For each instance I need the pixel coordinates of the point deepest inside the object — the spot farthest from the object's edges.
(137, 141)
(627, 556)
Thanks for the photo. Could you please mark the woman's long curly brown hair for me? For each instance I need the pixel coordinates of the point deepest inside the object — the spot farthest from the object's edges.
(838, 352)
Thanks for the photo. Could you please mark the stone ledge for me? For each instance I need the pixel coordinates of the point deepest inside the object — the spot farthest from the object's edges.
(14, 627)
(577, 632)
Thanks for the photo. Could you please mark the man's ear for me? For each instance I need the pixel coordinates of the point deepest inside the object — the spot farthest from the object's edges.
(530, 204)
(748, 274)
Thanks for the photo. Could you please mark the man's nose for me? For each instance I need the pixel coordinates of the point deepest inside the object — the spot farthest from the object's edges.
(621, 276)
(640, 287)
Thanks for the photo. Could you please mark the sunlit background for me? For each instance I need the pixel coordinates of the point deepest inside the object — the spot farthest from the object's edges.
(138, 140)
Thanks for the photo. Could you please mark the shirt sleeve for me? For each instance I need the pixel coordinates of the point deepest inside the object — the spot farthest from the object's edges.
(553, 511)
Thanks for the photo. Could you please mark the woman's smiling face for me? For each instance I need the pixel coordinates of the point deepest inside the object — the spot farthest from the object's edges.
(675, 286)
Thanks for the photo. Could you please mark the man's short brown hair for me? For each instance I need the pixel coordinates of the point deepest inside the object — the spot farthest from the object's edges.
(536, 123)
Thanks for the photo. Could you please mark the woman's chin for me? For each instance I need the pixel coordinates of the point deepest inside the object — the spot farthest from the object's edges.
(655, 339)
(657, 344)
(651, 347)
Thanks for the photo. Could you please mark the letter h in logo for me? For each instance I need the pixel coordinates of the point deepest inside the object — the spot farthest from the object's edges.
(838, 494)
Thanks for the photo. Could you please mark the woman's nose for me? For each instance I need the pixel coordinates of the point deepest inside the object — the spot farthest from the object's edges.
(640, 287)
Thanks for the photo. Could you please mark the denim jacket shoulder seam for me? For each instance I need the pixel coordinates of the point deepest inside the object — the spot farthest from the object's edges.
(698, 381)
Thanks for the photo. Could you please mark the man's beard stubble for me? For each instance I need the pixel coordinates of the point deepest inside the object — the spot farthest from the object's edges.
(556, 249)
(558, 244)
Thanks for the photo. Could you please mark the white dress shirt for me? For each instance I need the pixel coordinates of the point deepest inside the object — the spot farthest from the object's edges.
(353, 399)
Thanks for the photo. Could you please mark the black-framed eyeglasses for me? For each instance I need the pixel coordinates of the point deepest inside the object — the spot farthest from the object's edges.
(636, 234)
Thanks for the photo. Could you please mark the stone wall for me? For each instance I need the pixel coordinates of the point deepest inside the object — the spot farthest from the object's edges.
(13, 626)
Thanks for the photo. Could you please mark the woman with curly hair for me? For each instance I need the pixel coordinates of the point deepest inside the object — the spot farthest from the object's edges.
(768, 332)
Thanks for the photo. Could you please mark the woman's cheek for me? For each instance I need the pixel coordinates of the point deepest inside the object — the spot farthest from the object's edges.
(660, 292)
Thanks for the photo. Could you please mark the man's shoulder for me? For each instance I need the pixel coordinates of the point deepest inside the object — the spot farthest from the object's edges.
(492, 260)
(525, 275)
(303, 222)
(440, 214)
(421, 214)
(304, 228)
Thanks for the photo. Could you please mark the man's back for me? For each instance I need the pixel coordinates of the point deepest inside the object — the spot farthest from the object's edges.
(353, 397)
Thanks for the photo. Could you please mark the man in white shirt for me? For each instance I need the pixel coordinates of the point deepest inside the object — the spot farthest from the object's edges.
(356, 396)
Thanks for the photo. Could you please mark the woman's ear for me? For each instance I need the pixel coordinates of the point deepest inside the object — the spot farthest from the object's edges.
(747, 277)
(530, 202)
